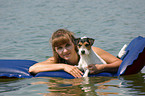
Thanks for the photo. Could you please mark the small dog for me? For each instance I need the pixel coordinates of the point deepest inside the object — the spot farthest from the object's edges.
(87, 55)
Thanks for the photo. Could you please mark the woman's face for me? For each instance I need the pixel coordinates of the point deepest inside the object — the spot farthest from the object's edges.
(66, 50)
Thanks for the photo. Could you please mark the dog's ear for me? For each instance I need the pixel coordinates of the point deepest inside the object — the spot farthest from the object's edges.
(91, 40)
(76, 41)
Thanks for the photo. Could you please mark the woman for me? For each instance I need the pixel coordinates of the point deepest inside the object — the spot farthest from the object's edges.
(65, 56)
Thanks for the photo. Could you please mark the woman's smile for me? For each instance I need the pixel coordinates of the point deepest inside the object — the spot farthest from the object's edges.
(67, 55)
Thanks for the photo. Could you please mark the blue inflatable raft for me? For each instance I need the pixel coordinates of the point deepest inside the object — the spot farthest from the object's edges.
(133, 62)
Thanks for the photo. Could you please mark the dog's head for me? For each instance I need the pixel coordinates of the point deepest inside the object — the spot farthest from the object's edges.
(84, 45)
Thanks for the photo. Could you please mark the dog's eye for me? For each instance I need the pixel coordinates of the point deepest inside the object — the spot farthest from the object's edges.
(79, 45)
(87, 45)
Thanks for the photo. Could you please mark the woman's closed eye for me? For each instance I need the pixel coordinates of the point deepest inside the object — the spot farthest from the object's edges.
(68, 46)
(59, 48)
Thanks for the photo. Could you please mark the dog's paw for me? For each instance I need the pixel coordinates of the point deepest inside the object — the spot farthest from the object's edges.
(85, 76)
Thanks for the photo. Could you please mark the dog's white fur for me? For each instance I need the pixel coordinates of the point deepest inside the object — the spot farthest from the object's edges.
(122, 51)
(90, 57)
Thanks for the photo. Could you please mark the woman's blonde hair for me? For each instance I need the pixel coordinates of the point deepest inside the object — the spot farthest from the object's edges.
(61, 36)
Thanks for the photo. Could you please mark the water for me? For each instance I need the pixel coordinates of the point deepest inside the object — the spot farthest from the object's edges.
(27, 25)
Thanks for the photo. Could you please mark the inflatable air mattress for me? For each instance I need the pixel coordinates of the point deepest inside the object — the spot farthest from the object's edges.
(133, 62)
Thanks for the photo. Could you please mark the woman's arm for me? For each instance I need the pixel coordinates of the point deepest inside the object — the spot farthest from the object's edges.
(50, 65)
(112, 65)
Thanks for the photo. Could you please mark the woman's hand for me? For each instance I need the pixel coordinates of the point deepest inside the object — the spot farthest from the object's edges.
(96, 68)
(73, 70)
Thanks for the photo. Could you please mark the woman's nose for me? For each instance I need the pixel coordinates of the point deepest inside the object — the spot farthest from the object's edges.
(65, 50)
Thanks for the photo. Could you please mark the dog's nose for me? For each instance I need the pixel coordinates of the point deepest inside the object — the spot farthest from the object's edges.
(83, 51)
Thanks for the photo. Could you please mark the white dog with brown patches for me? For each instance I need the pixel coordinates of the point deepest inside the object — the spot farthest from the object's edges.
(87, 55)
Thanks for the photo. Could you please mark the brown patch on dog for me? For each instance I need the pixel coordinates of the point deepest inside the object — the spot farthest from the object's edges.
(80, 44)
(87, 45)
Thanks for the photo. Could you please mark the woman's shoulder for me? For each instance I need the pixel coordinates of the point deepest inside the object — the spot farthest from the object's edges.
(50, 60)
(99, 51)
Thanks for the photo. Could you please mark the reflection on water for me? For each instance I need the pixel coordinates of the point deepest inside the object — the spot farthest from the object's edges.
(4, 86)
(130, 85)
(135, 84)
(92, 86)
(11, 84)
(80, 86)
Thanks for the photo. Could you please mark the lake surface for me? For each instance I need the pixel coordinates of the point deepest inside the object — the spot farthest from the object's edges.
(26, 27)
